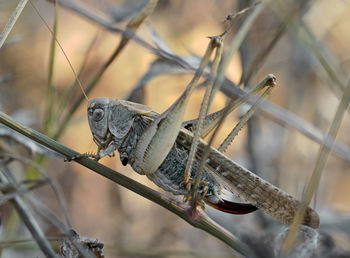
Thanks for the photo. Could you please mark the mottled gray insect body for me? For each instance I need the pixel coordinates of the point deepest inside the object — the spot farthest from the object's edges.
(120, 125)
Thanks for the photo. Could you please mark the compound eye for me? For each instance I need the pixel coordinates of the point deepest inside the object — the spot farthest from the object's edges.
(98, 114)
(90, 112)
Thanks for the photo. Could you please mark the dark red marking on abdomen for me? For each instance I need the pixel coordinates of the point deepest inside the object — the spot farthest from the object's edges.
(233, 207)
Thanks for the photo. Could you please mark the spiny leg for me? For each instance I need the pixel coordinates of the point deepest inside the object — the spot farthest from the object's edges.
(269, 84)
(157, 140)
(212, 88)
(212, 120)
(109, 151)
(269, 81)
(218, 41)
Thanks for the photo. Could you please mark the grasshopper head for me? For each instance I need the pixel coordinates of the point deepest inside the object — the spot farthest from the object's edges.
(111, 119)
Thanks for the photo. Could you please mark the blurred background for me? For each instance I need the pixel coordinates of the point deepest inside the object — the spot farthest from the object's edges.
(305, 45)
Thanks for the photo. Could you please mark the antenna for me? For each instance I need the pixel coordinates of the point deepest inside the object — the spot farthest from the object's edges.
(64, 53)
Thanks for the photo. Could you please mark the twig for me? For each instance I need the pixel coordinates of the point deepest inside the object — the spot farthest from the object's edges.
(293, 13)
(317, 172)
(10, 196)
(55, 187)
(26, 216)
(12, 21)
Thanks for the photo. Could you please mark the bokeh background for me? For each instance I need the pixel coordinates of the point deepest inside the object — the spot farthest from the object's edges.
(127, 223)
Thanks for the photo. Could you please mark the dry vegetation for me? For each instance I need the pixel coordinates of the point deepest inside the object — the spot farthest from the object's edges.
(305, 44)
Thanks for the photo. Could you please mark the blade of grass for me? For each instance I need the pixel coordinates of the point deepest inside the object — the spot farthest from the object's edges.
(236, 43)
(45, 212)
(25, 213)
(50, 120)
(279, 32)
(55, 187)
(37, 183)
(304, 34)
(17, 12)
(322, 56)
(317, 172)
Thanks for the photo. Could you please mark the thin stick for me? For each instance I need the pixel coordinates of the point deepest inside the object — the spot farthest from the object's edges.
(26, 215)
(238, 40)
(49, 120)
(55, 187)
(12, 21)
(317, 172)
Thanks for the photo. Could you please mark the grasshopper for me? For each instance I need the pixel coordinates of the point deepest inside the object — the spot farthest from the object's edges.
(158, 146)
